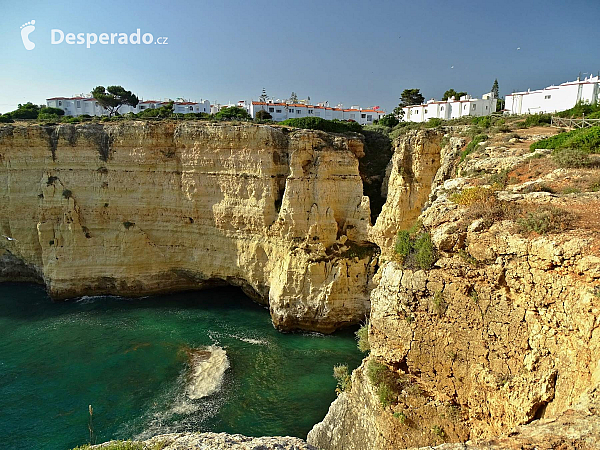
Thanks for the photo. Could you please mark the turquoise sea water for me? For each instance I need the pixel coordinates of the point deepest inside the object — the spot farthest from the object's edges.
(196, 361)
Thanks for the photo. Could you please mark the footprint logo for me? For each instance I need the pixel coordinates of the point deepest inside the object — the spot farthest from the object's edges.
(26, 30)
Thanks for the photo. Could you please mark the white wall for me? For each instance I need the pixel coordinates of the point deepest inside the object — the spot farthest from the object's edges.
(553, 98)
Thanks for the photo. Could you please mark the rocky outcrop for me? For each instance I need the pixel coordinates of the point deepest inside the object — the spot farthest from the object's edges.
(136, 208)
(220, 441)
(501, 337)
(408, 182)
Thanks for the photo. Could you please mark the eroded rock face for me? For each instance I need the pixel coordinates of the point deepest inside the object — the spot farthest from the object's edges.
(139, 208)
(501, 336)
(415, 162)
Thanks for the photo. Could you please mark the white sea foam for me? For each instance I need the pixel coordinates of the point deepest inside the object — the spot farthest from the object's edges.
(205, 376)
(250, 340)
(208, 368)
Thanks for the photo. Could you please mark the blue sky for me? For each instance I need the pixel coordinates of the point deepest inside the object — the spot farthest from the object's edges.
(351, 52)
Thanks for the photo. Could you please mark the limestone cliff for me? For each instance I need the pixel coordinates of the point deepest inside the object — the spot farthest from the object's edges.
(137, 208)
(502, 331)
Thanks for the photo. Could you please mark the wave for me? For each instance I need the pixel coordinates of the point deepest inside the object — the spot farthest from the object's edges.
(208, 366)
(179, 408)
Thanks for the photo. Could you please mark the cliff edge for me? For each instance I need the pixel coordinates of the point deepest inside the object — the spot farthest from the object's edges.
(138, 208)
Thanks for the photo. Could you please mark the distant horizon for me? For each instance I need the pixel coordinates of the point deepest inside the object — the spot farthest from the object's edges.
(349, 52)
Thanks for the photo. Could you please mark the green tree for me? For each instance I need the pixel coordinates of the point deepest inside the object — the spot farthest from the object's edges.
(293, 98)
(496, 89)
(25, 111)
(263, 97)
(113, 97)
(263, 115)
(233, 112)
(452, 93)
(389, 120)
(411, 97)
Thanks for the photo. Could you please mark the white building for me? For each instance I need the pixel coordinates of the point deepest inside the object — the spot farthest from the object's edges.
(281, 111)
(77, 106)
(451, 108)
(554, 98)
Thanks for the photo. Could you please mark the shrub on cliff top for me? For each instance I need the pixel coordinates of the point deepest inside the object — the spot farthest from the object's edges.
(472, 146)
(584, 139)
(318, 123)
(546, 219)
(472, 195)
(571, 158)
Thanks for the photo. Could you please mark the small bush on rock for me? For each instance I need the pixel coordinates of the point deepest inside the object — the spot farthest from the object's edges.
(344, 380)
(362, 337)
(547, 219)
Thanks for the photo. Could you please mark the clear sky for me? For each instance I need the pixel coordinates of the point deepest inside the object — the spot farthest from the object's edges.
(352, 52)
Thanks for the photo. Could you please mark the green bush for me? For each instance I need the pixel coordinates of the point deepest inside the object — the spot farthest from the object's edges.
(400, 416)
(50, 110)
(415, 248)
(318, 123)
(433, 123)
(403, 244)
(263, 115)
(386, 382)
(535, 120)
(580, 109)
(424, 251)
(386, 395)
(25, 111)
(344, 380)
(376, 372)
(586, 139)
(438, 303)
(472, 145)
(546, 219)
(571, 158)
(5, 118)
(362, 337)
(389, 120)
(381, 129)
(483, 121)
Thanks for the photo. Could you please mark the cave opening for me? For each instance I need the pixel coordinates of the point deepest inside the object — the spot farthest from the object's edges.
(372, 167)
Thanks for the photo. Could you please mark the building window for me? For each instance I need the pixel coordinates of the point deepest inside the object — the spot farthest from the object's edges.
(474, 106)
(191, 108)
(442, 108)
(310, 111)
(486, 107)
(79, 103)
(547, 97)
(59, 103)
(271, 110)
(278, 111)
(362, 116)
(141, 107)
(297, 111)
(465, 107)
(291, 111)
(425, 111)
(352, 116)
(369, 118)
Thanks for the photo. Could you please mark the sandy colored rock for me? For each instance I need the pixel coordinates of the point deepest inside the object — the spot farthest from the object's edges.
(138, 208)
